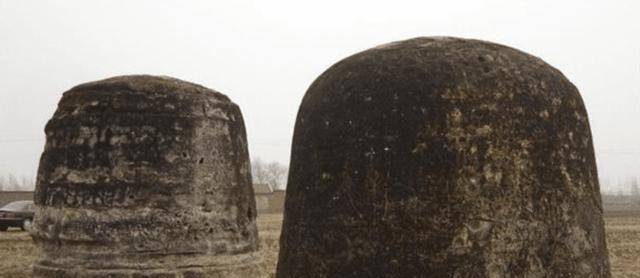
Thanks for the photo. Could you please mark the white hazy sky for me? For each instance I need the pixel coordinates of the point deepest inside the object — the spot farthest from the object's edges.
(264, 55)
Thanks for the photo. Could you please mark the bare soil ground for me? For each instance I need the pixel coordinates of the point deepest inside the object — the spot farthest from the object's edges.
(17, 252)
(623, 241)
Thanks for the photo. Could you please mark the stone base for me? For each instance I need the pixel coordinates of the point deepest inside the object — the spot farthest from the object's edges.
(230, 266)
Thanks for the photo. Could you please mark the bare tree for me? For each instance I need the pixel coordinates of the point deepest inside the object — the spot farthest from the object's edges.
(259, 171)
(12, 183)
(277, 174)
(635, 190)
(272, 174)
(27, 183)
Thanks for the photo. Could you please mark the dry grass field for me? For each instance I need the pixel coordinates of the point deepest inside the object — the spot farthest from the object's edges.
(623, 235)
(623, 241)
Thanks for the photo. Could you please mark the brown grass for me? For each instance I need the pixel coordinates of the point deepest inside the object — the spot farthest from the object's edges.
(623, 241)
(17, 252)
(623, 237)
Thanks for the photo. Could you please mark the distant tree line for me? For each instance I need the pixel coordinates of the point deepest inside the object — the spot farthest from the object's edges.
(635, 191)
(627, 197)
(275, 174)
(272, 173)
(12, 183)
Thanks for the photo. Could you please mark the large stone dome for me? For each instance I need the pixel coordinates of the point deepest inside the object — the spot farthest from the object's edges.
(442, 157)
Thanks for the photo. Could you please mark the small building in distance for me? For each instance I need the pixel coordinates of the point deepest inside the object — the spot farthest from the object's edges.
(10, 196)
(268, 200)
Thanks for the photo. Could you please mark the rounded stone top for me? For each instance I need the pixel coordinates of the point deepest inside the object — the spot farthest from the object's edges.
(428, 64)
(144, 94)
(437, 86)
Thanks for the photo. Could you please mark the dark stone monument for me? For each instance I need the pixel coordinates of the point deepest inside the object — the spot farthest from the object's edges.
(442, 157)
(145, 176)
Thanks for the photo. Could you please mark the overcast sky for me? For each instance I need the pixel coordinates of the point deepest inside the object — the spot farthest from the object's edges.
(264, 55)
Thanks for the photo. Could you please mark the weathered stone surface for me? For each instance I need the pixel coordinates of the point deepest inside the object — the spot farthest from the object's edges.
(145, 176)
(442, 157)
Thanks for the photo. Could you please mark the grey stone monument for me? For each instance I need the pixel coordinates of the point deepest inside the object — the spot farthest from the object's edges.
(442, 157)
(145, 176)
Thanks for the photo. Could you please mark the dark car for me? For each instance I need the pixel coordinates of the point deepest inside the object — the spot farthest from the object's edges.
(17, 214)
